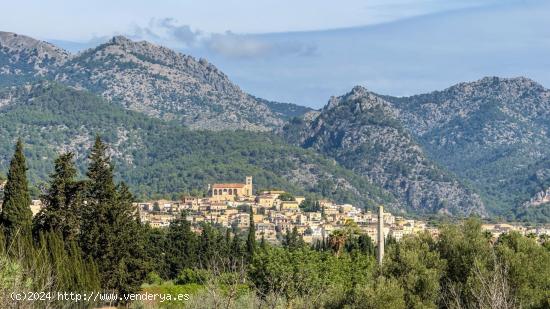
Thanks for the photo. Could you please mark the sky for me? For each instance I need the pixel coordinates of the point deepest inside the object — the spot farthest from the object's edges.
(306, 51)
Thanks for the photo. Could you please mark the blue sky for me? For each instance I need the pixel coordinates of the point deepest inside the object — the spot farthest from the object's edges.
(305, 51)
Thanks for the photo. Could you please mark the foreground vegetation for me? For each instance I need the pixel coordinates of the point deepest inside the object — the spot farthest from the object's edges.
(88, 238)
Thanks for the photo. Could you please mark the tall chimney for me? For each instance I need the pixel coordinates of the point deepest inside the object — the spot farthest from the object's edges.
(380, 234)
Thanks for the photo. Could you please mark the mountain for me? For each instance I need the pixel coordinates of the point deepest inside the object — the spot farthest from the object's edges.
(23, 58)
(162, 158)
(363, 132)
(286, 111)
(493, 132)
(147, 78)
(476, 147)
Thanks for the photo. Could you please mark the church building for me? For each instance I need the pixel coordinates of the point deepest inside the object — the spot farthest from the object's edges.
(220, 192)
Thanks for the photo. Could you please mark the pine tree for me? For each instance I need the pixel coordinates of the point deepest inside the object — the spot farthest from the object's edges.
(62, 202)
(16, 216)
(251, 240)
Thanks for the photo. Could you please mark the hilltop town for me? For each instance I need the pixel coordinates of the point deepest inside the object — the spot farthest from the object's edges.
(277, 212)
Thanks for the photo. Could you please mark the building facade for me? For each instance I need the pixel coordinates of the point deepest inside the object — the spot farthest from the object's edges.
(222, 192)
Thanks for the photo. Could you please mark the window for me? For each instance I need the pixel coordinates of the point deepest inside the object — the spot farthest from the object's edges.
(215, 191)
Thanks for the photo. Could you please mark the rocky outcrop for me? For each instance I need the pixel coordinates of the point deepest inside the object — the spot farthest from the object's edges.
(23, 58)
(362, 131)
(494, 132)
(541, 197)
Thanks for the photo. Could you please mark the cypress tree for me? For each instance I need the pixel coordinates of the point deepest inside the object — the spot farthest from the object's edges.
(62, 202)
(128, 244)
(111, 233)
(16, 216)
(263, 245)
(181, 246)
(72, 273)
(207, 245)
(236, 247)
(157, 246)
(227, 243)
(251, 240)
(292, 240)
(100, 197)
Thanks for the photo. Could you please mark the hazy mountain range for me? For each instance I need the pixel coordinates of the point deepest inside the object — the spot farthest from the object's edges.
(478, 147)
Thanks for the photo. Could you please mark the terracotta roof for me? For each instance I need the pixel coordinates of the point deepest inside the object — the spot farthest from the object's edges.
(228, 185)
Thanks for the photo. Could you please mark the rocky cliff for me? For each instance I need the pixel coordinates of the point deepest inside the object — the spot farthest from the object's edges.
(362, 131)
(494, 132)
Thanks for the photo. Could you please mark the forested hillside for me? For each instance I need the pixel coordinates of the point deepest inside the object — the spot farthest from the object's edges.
(159, 158)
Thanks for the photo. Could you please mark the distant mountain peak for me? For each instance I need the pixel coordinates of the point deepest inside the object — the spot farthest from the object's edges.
(499, 79)
(358, 89)
(25, 56)
(17, 42)
(166, 84)
(492, 132)
(359, 96)
(492, 84)
(363, 132)
(145, 77)
(120, 39)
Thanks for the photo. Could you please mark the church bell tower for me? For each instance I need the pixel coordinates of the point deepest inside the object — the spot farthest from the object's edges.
(248, 183)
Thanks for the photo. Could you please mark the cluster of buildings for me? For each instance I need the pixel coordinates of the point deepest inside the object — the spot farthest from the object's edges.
(274, 213)
(497, 229)
(228, 205)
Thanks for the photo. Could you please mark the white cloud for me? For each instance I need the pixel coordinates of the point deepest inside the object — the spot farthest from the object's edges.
(168, 31)
(233, 45)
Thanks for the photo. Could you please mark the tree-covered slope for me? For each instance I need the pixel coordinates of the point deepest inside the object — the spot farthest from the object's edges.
(363, 132)
(162, 158)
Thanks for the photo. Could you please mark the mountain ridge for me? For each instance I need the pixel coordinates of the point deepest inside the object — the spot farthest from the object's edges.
(151, 79)
(493, 132)
(362, 132)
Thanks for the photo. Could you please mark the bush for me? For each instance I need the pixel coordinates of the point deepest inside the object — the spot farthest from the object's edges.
(188, 276)
(153, 278)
